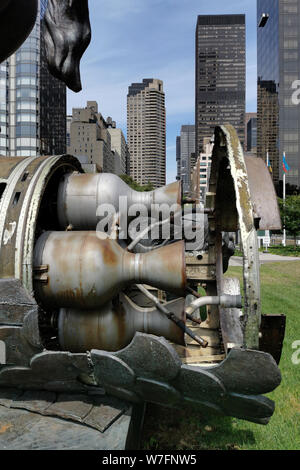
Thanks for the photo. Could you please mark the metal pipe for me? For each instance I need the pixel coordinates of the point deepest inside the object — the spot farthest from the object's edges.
(147, 230)
(180, 323)
(193, 292)
(195, 320)
(225, 301)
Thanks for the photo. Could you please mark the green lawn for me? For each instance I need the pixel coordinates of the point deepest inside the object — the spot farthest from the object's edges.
(285, 250)
(175, 429)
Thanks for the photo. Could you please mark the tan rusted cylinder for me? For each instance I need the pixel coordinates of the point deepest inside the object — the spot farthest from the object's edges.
(113, 327)
(80, 195)
(80, 270)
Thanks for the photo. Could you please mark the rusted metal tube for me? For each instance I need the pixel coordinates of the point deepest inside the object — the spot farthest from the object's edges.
(80, 270)
(112, 327)
(225, 301)
(173, 318)
(80, 195)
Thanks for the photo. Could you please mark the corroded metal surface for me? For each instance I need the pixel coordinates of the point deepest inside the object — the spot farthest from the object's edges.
(272, 335)
(26, 181)
(80, 196)
(232, 333)
(82, 270)
(234, 210)
(263, 195)
(113, 327)
(85, 271)
(251, 266)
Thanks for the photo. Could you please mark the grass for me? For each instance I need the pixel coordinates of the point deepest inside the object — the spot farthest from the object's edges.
(293, 251)
(238, 253)
(285, 250)
(167, 429)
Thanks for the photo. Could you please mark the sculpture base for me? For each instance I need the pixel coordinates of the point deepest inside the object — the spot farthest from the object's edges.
(34, 420)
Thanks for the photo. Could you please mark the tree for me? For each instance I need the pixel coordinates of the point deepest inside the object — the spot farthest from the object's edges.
(290, 215)
(136, 186)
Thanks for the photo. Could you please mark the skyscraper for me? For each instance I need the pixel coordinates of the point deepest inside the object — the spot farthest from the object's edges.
(248, 116)
(187, 149)
(146, 132)
(252, 135)
(278, 47)
(32, 102)
(220, 75)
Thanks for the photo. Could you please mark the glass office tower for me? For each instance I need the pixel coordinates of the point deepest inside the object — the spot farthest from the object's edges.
(186, 152)
(252, 135)
(32, 102)
(220, 75)
(278, 119)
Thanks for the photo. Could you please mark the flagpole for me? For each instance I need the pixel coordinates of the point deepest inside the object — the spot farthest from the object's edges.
(284, 199)
(267, 232)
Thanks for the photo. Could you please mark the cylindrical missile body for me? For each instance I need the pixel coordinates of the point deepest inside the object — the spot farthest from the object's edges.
(81, 196)
(112, 327)
(81, 270)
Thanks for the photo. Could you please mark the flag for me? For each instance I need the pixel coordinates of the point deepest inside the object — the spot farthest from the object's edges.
(285, 165)
(269, 164)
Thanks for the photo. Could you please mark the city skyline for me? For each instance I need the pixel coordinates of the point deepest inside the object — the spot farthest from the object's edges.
(158, 42)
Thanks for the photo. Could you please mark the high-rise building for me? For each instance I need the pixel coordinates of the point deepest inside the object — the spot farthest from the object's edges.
(119, 145)
(220, 75)
(201, 171)
(252, 135)
(248, 116)
(278, 69)
(32, 102)
(146, 132)
(186, 153)
(68, 136)
(90, 139)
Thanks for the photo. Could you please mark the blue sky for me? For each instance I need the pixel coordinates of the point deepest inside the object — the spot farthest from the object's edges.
(136, 39)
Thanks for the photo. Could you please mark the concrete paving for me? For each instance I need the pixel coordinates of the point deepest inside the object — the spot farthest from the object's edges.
(264, 258)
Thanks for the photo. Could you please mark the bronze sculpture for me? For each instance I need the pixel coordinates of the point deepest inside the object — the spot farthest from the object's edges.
(52, 345)
(67, 34)
(17, 18)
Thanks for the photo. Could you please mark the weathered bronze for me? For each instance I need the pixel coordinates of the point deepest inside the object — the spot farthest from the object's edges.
(66, 29)
(69, 312)
(67, 35)
(17, 18)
